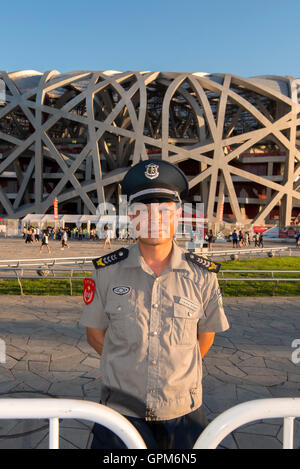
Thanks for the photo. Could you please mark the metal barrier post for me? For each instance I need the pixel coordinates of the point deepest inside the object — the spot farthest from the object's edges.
(54, 433)
(71, 292)
(19, 281)
(288, 432)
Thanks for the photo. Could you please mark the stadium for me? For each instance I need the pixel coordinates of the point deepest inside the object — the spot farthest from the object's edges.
(72, 137)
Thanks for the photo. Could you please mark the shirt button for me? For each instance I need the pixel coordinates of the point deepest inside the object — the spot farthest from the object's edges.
(154, 333)
(155, 305)
(190, 314)
(119, 308)
(153, 362)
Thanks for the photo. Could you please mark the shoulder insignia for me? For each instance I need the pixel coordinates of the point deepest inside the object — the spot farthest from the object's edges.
(203, 262)
(111, 258)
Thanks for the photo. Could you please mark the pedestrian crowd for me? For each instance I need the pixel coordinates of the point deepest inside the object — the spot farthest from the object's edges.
(244, 239)
(33, 234)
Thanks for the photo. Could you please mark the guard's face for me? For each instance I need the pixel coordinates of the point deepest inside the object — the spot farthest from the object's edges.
(154, 223)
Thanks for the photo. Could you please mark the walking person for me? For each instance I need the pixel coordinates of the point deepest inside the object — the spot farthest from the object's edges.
(45, 241)
(107, 236)
(240, 238)
(234, 239)
(29, 236)
(64, 240)
(93, 234)
(37, 234)
(255, 239)
(297, 238)
(250, 238)
(210, 240)
(261, 240)
(151, 311)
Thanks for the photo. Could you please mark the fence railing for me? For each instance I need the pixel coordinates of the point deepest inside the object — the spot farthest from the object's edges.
(49, 272)
(254, 251)
(54, 409)
(46, 262)
(280, 407)
(222, 278)
(44, 272)
(87, 260)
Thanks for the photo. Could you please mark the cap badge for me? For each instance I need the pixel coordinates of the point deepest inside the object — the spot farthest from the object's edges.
(151, 171)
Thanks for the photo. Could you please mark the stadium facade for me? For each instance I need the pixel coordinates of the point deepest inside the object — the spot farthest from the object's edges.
(72, 136)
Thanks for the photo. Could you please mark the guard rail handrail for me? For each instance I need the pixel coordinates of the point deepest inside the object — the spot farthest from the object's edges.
(54, 409)
(88, 259)
(246, 251)
(279, 407)
(19, 276)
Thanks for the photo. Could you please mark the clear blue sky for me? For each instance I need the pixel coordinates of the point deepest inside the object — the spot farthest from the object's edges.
(242, 37)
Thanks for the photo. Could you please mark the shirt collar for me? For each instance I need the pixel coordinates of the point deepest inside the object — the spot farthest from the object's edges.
(177, 261)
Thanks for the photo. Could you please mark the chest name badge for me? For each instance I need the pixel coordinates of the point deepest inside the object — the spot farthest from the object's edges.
(121, 290)
(188, 303)
(88, 290)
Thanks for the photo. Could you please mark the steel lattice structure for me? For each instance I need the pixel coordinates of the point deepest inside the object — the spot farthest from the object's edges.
(73, 136)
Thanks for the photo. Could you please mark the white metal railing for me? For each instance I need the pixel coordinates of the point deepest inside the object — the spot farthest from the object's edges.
(43, 262)
(23, 273)
(282, 407)
(273, 279)
(37, 262)
(42, 272)
(257, 250)
(54, 409)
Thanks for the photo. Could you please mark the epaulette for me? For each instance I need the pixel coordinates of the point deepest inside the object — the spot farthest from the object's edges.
(203, 262)
(111, 258)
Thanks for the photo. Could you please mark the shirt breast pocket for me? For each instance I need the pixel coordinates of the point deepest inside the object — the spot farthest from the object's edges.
(184, 324)
(122, 320)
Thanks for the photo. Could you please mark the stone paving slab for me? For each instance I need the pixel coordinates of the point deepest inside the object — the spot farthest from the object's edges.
(48, 356)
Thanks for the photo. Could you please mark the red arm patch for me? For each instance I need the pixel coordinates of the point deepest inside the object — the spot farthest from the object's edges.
(88, 290)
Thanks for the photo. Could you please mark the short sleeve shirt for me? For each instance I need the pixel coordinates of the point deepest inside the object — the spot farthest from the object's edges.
(151, 363)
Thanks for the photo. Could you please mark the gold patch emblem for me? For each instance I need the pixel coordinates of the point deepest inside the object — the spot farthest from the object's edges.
(99, 262)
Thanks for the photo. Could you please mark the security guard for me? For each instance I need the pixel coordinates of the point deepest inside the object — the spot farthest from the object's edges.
(151, 312)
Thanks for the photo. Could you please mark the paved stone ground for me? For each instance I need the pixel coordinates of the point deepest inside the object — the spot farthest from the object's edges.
(47, 355)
